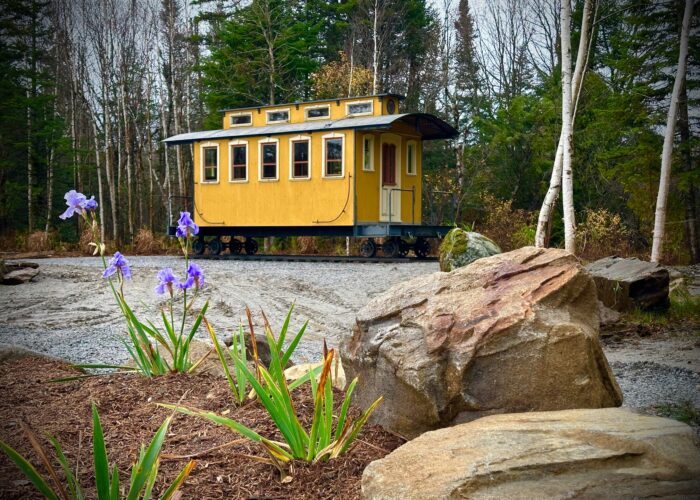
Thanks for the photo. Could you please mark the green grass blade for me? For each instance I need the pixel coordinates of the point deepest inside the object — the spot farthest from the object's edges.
(73, 485)
(357, 426)
(344, 409)
(290, 350)
(283, 332)
(149, 460)
(178, 482)
(99, 453)
(325, 437)
(114, 486)
(222, 358)
(29, 471)
(314, 372)
(148, 490)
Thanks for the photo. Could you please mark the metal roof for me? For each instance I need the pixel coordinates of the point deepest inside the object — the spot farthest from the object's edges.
(329, 100)
(429, 126)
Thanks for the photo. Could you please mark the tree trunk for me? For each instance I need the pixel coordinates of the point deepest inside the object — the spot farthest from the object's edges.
(691, 208)
(100, 193)
(30, 166)
(375, 48)
(544, 221)
(567, 174)
(665, 178)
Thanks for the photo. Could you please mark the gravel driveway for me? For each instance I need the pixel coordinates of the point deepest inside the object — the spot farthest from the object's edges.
(68, 312)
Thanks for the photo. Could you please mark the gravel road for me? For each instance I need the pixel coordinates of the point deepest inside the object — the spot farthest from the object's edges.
(68, 312)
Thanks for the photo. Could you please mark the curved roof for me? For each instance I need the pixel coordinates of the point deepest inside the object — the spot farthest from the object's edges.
(429, 126)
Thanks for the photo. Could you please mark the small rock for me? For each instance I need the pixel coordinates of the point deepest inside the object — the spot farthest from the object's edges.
(607, 316)
(460, 247)
(19, 276)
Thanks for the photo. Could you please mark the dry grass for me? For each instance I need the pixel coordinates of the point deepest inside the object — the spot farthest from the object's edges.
(600, 234)
(146, 243)
(510, 228)
(40, 241)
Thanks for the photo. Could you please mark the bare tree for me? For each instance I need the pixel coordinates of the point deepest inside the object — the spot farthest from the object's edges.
(567, 133)
(664, 181)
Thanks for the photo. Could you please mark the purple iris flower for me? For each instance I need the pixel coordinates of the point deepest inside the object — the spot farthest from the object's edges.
(117, 263)
(196, 274)
(187, 284)
(76, 203)
(167, 281)
(186, 226)
(91, 204)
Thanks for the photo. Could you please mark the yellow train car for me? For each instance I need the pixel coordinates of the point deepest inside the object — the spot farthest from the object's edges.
(335, 167)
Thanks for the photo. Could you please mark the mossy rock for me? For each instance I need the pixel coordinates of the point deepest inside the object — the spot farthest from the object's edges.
(461, 247)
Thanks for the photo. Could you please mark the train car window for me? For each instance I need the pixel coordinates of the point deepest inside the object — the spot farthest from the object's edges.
(280, 115)
(334, 157)
(368, 153)
(411, 158)
(239, 162)
(300, 153)
(360, 108)
(211, 163)
(318, 112)
(269, 160)
(240, 120)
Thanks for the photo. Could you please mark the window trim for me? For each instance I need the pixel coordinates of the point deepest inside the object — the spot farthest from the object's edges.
(413, 143)
(202, 147)
(366, 113)
(261, 143)
(231, 145)
(292, 140)
(267, 115)
(371, 153)
(231, 124)
(324, 138)
(320, 106)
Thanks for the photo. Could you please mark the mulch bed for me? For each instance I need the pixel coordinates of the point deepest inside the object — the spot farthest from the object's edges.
(130, 418)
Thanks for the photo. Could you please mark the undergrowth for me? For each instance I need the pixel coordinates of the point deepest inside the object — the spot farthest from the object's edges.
(684, 309)
(683, 411)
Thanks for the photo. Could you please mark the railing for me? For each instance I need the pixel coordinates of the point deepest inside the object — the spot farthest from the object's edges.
(413, 201)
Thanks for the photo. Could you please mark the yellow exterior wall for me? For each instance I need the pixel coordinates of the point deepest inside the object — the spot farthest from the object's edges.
(297, 112)
(284, 202)
(368, 197)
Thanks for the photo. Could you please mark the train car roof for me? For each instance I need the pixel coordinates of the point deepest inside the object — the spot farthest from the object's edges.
(315, 101)
(429, 126)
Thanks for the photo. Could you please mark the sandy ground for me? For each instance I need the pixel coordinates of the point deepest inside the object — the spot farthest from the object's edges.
(68, 312)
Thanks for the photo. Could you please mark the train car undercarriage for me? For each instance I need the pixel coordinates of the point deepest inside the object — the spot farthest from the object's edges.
(397, 240)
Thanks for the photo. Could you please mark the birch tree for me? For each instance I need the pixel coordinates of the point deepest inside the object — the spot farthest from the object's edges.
(547, 211)
(664, 181)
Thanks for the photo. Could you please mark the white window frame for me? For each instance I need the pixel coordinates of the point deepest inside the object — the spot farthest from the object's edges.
(323, 155)
(370, 112)
(320, 106)
(231, 124)
(292, 140)
(267, 115)
(202, 147)
(231, 144)
(415, 160)
(261, 143)
(371, 153)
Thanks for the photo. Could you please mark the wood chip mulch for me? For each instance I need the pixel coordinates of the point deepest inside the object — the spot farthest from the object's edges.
(129, 416)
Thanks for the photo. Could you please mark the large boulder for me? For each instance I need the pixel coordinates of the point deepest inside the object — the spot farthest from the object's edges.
(605, 453)
(460, 247)
(625, 284)
(513, 332)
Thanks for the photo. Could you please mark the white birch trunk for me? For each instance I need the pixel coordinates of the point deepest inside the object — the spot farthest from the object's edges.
(375, 48)
(567, 174)
(662, 197)
(547, 210)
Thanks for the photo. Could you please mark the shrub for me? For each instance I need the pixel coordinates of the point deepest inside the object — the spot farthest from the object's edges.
(40, 241)
(600, 234)
(509, 228)
(143, 472)
(145, 243)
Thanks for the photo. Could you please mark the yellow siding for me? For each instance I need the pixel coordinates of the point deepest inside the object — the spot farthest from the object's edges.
(284, 202)
(368, 198)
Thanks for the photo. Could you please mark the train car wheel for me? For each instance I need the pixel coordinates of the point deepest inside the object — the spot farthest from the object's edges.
(390, 248)
(404, 248)
(421, 248)
(198, 246)
(235, 246)
(215, 246)
(251, 246)
(368, 248)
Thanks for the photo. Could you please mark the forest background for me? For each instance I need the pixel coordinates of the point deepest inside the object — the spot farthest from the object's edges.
(90, 88)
